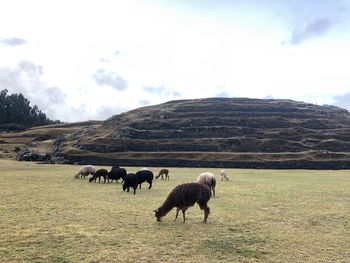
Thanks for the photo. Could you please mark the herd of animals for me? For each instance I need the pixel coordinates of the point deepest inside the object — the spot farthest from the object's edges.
(182, 196)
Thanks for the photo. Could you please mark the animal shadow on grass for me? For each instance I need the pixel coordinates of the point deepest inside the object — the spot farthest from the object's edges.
(241, 245)
(238, 240)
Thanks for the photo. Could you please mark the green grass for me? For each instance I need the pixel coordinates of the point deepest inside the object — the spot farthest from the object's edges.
(258, 216)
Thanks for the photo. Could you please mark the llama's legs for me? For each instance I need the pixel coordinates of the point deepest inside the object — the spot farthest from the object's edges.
(206, 213)
(183, 214)
(205, 207)
(150, 184)
(177, 213)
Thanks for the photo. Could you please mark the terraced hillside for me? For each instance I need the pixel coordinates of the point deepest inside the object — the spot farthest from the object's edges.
(230, 132)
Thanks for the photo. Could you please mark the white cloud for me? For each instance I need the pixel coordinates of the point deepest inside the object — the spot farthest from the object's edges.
(14, 41)
(25, 78)
(161, 91)
(97, 57)
(315, 28)
(104, 78)
(343, 101)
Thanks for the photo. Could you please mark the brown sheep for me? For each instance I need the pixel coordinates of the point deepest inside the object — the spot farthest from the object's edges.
(184, 196)
(208, 179)
(163, 172)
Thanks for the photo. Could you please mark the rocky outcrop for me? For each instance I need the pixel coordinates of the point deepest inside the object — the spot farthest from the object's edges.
(224, 125)
(214, 132)
(57, 150)
(28, 155)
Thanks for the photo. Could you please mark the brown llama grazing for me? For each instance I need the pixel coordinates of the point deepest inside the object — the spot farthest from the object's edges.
(184, 196)
(208, 179)
(163, 172)
(85, 171)
(98, 174)
(223, 175)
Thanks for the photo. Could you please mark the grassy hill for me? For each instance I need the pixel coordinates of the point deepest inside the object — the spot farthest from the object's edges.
(213, 132)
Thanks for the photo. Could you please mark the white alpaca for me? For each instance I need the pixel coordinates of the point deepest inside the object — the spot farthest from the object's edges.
(223, 175)
(85, 171)
(208, 179)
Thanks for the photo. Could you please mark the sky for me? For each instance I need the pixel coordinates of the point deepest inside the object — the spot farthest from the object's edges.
(88, 60)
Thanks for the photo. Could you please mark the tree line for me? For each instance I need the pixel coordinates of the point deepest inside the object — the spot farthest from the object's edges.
(16, 112)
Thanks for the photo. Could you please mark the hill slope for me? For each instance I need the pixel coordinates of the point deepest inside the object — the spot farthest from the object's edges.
(230, 132)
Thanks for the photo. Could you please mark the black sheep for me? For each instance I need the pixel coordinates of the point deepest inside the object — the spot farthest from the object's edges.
(99, 173)
(145, 176)
(130, 180)
(116, 173)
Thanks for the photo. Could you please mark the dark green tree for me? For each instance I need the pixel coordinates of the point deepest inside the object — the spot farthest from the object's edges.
(16, 112)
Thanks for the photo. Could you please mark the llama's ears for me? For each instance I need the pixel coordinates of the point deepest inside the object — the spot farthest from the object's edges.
(155, 210)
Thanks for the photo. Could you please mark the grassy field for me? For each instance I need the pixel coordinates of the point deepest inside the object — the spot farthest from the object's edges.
(258, 216)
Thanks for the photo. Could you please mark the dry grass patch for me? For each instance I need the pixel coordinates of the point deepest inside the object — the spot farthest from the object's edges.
(258, 216)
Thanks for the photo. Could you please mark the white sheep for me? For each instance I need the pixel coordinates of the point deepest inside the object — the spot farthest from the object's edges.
(208, 179)
(85, 171)
(223, 175)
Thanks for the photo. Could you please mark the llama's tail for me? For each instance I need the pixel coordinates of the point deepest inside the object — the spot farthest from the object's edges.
(213, 182)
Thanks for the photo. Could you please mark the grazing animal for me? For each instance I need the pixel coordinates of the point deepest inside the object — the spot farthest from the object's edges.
(130, 180)
(98, 174)
(223, 175)
(145, 176)
(208, 179)
(85, 171)
(116, 173)
(163, 172)
(184, 196)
